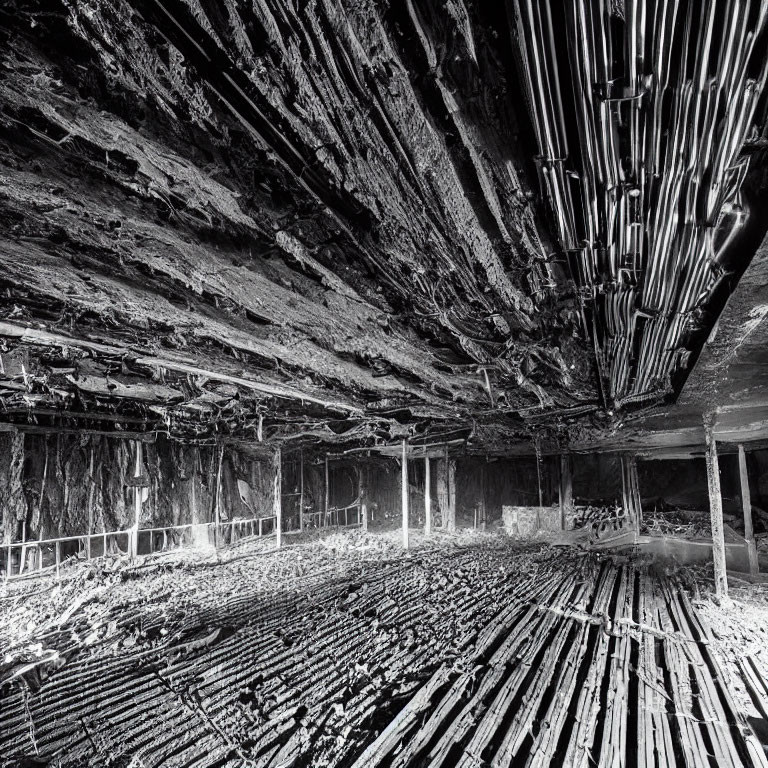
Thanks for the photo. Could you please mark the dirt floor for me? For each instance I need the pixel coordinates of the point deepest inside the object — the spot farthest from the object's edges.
(470, 650)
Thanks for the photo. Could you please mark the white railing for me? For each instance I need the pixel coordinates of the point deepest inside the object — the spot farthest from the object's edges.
(332, 518)
(27, 557)
(36, 555)
(24, 558)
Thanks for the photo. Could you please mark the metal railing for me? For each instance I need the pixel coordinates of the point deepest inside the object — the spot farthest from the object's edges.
(37, 555)
(24, 558)
(331, 519)
(27, 557)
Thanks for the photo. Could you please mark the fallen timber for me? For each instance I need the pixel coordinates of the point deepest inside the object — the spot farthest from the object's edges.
(348, 652)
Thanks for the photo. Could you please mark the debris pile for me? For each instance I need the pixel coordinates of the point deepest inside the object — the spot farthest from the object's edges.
(347, 651)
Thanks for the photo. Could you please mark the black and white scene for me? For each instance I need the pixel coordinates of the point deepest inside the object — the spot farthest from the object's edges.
(383, 383)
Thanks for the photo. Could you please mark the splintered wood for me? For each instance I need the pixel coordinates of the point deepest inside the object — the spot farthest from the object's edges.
(485, 654)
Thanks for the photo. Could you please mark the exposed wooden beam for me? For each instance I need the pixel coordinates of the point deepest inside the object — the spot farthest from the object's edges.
(45, 338)
(427, 498)
(404, 489)
(137, 470)
(301, 490)
(565, 488)
(277, 500)
(746, 504)
(451, 471)
(715, 509)
(217, 495)
(363, 495)
(327, 491)
(631, 490)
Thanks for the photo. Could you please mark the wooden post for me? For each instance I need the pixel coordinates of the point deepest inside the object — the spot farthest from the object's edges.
(363, 494)
(301, 490)
(746, 505)
(404, 488)
(630, 490)
(442, 492)
(566, 488)
(277, 502)
(451, 492)
(91, 483)
(481, 505)
(216, 494)
(715, 508)
(327, 492)
(427, 498)
(136, 499)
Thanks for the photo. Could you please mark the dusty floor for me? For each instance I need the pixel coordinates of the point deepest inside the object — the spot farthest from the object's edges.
(468, 651)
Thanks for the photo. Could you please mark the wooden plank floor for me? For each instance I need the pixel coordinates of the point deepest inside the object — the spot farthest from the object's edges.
(490, 654)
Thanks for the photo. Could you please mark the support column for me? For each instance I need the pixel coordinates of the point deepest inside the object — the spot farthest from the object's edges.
(277, 499)
(565, 488)
(363, 494)
(442, 492)
(481, 505)
(326, 521)
(216, 495)
(746, 505)
(404, 489)
(715, 508)
(136, 497)
(630, 489)
(427, 498)
(451, 493)
(91, 483)
(301, 490)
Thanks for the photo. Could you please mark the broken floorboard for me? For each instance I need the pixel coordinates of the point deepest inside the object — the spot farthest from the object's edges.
(347, 652)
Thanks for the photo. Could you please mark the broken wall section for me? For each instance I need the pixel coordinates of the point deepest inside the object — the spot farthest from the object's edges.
(54, 485)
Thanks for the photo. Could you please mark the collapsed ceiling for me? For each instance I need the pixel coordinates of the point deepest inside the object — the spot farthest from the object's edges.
(353, 222)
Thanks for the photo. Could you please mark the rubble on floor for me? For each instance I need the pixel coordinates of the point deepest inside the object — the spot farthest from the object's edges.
(467, 650)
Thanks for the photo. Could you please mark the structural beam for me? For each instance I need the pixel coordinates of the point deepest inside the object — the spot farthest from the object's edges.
(363, 495)
(327, 494)
(91, 485)
(565, 488)
(427, 498)
(301, 490)
(277, 498)
(216, 496)
(481, 500)
(139, 461)
(746, 504)
(631, 490)
(715, 508)
(404, 489)
(451, 493)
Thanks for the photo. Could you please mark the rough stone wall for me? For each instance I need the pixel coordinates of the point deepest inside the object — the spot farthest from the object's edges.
(13, 503)
(50, 480)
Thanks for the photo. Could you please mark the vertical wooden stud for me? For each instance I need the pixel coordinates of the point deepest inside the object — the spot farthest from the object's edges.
(715, 508)
(451, 481)
(277, 466)
(91, 484)
(216, 498)
(427, 498)
(746, 504)
(404, 489)
(136, 498)
(327, 493)
(362, 489)
(565, 489)
(301, 490)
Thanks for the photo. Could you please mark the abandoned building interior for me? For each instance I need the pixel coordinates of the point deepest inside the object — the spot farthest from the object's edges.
(383, 383)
